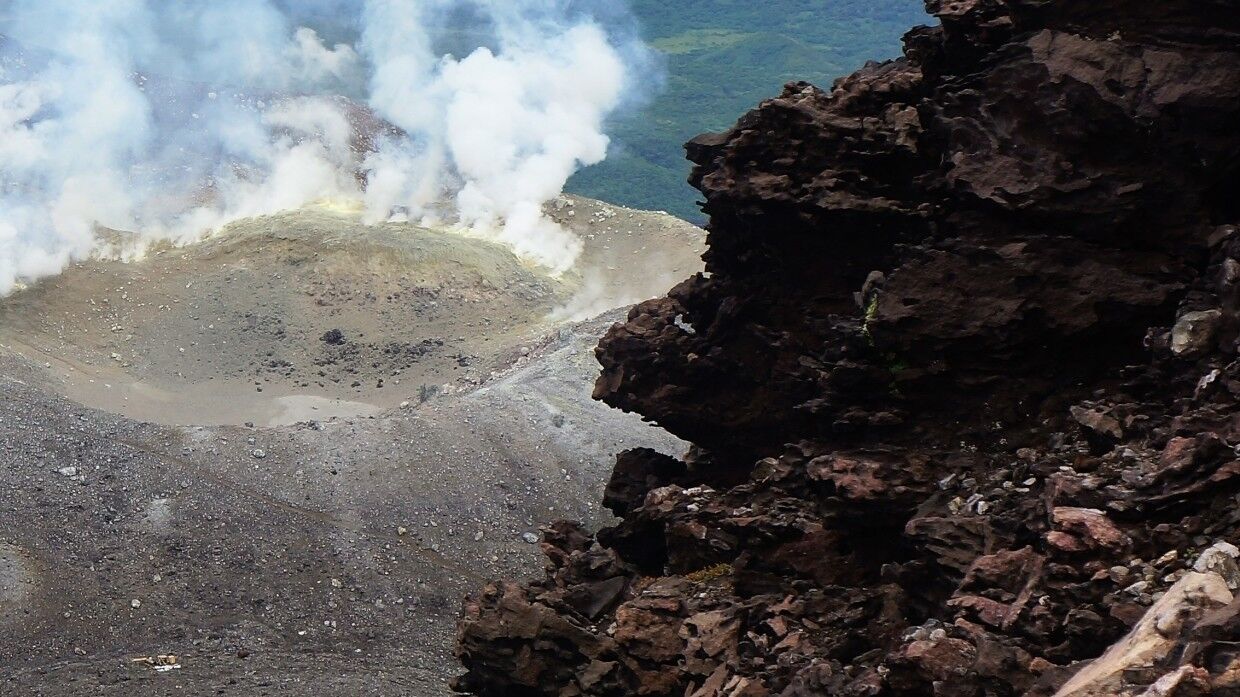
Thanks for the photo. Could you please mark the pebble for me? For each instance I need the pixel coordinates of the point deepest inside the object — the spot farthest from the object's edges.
(1167, 558)
(258, 453)
(1221, 558)
(68, 471)
(529, 538)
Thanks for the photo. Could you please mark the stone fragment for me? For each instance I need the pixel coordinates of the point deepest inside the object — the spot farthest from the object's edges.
(1222, 558)
(1098, 421)
(1154, 637)
(1194, 332)
(1091, 526)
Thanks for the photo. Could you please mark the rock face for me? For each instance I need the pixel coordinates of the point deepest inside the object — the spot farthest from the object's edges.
(961, 380)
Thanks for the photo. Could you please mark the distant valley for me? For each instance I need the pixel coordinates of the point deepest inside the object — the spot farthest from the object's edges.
(721, 58)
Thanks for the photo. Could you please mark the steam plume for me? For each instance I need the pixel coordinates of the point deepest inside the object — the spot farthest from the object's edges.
(170, 119)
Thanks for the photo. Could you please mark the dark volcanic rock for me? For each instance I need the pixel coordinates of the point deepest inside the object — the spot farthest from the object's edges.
(637, 473)
(961, 379)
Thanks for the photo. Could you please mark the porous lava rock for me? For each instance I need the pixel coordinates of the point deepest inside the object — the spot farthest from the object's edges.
(961, 380)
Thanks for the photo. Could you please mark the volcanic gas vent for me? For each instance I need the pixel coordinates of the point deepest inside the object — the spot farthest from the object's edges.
(311, 314)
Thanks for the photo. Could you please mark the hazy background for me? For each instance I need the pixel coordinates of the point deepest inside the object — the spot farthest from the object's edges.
(721, 57)
(168, 120)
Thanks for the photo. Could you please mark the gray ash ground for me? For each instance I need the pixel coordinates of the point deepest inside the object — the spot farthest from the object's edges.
(140, 516)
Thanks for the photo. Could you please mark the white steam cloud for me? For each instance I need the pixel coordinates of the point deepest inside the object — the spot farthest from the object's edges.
(170, 119)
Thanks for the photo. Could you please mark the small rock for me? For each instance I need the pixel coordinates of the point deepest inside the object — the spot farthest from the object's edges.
(258, 453)
(1091, 525)
(135, 603)
(1221, 558)
(1167, 558)
(68, 471)
(529, 538)
(1098, 421)
(1194, 332)
(956, 505)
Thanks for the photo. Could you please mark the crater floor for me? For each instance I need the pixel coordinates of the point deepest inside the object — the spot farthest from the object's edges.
(311, 315)
(417, 402)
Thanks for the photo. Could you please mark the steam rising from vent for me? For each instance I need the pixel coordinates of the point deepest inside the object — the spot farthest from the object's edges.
(169, 120)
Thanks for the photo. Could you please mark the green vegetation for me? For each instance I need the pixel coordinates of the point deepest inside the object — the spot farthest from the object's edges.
(709, 574)
(427, 392)
(871, 312)
(722, 57)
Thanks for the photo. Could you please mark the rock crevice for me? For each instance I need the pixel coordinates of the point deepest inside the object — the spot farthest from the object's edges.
(961, 380)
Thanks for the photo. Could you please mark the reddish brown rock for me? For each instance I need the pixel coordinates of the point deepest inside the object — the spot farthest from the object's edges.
(1091, 526)
(961, 379)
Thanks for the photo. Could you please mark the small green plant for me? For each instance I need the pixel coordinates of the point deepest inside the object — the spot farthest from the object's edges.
(426, 392)
(895, 364)
(871, 312)
(710, 573)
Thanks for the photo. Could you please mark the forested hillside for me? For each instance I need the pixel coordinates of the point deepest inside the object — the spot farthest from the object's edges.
(722, 57)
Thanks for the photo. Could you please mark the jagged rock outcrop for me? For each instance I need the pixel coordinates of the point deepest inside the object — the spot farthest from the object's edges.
(961, 378)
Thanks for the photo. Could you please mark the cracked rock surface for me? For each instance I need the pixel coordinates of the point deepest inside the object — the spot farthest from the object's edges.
(961, 381)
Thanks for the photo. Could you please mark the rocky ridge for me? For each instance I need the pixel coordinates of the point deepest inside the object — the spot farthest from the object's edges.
(961, 380)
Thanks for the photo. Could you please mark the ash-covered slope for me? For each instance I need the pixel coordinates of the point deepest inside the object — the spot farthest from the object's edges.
(961, 379)
(419, 403)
